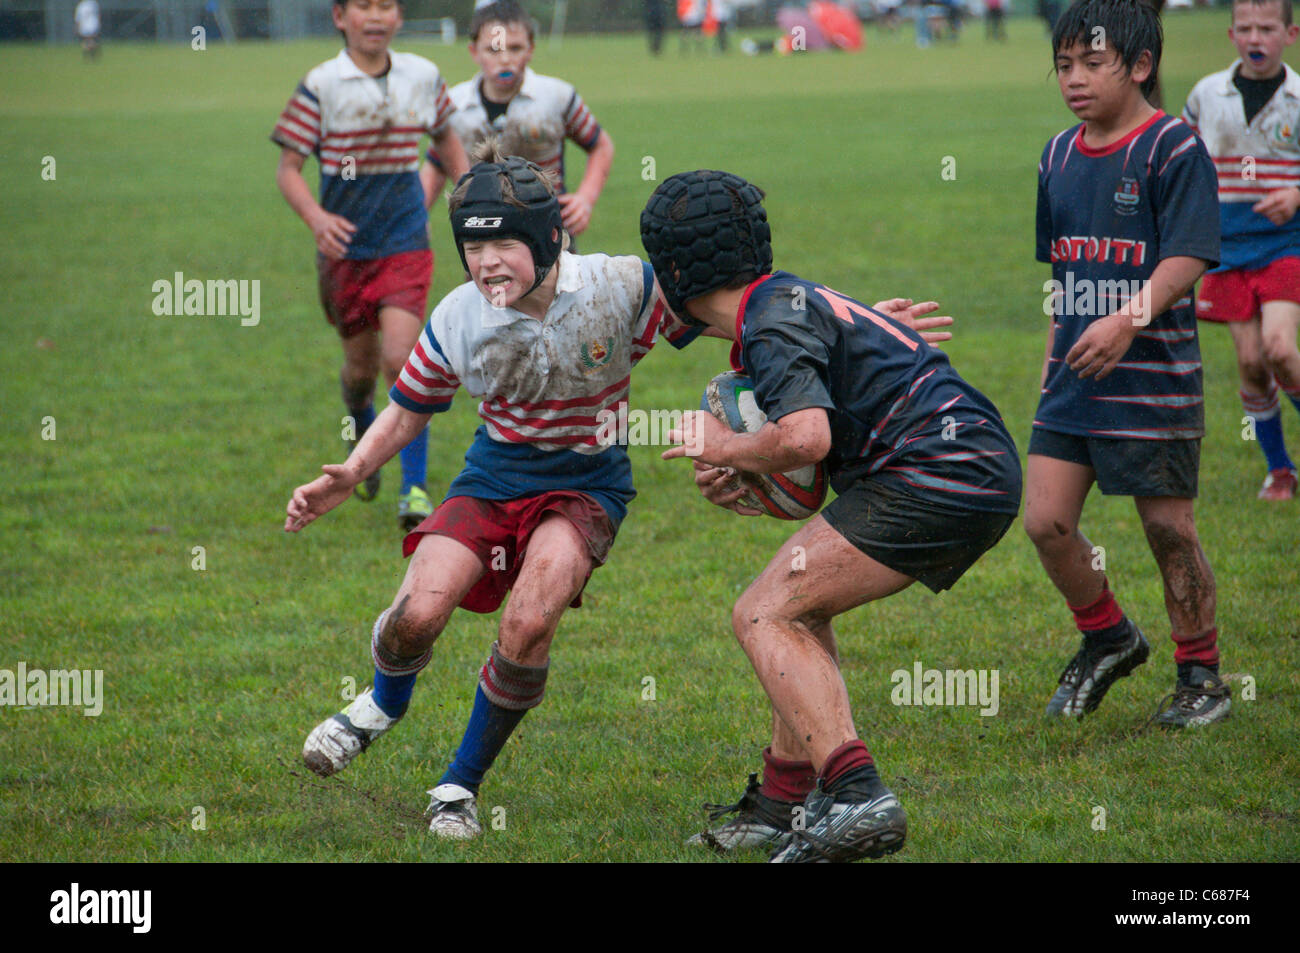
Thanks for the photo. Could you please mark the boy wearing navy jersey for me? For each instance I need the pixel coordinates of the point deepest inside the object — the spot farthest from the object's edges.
(362, 115)
(1249, 117)
(928, 479)
(1127, 219)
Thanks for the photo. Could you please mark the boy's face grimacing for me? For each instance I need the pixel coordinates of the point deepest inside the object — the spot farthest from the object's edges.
(1095, 83)
(502, 51)
(502, 268)
(1259, 34)
(368, 25)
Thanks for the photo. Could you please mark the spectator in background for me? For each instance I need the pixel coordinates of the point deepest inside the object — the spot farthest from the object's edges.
(87, 17)
(654, 25)
(994, 14)
(690, 16)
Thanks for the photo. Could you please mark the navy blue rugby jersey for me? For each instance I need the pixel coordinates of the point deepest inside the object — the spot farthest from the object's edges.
(1106, 218)
(898, 411)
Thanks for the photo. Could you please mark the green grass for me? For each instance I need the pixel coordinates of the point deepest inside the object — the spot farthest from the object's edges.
(176, 432)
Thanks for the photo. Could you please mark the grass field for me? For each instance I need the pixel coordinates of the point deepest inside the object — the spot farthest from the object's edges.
(180, 432)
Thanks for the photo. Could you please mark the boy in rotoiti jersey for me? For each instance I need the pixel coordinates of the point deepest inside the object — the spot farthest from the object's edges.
(1249, 118)
(362, 114)
(1127, 219)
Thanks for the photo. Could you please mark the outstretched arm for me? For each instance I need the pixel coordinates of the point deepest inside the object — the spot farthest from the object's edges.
(392, 430)
(905, 312)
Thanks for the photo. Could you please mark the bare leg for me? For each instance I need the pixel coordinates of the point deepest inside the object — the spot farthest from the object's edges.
(555, 568)
(1278, 328)
(783, 618)
(1054, 495)
(440, 573)
(1189, 582)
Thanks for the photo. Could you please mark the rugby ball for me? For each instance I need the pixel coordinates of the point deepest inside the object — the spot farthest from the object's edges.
(793, 495)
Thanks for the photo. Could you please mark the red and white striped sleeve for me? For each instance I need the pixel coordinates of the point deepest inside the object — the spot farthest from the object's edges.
(656, 318)
(427, 382)
(579, 124)
(299, 126)
(443, 107)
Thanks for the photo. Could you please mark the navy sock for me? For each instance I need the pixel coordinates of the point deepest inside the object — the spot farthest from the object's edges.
(1111, 635)
(415, 461)
(489, 728)
(364, 418)
(392, 693)
(1185, 670)
(1268, 431)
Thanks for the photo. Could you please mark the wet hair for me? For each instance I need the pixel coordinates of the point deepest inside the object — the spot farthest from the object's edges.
(1128, 27)
(506, 12)
(490, 150)
(1285, 4)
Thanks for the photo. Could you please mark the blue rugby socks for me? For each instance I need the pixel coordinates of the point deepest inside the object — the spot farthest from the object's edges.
(415, 461)
(506, 690)
(394, 675)
(1268, 427)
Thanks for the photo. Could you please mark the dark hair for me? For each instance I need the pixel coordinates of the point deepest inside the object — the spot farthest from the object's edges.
(1286, 8)
(343, 3)
(502, 11)
(1129, 27)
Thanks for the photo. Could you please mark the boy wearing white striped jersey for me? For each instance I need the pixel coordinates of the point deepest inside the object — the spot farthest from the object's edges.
(530, 115)
(362, 115)
(547, 340)
(1126, 219)
(1249, 117)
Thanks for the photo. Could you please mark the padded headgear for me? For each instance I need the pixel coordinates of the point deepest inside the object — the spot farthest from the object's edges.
(701, 229)
(485, 214)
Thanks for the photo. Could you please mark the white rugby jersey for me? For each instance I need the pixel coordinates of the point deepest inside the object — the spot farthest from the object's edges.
(535, 124)
(367, 137)
(1251, 160)
(548, 389)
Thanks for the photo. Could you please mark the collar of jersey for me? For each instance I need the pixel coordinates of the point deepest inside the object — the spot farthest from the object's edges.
(568, 281)
(737, 346)
(1290, 85)
(1087, 150)
(350, 70)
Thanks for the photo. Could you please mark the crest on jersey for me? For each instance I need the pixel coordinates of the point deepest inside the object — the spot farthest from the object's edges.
(1283, 131)
(597, 353)
(1127, 196)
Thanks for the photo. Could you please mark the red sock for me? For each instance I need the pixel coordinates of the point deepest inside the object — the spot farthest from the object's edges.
(786, 780)
(1202, 649)
(847, 757)
(1104, 613)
